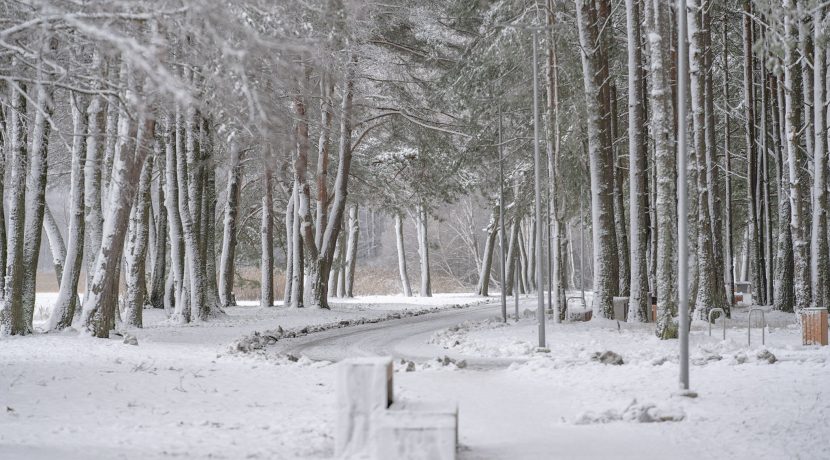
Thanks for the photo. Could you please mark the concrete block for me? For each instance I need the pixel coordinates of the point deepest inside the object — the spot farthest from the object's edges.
(364, 386)
(620, 305)
(415, 431)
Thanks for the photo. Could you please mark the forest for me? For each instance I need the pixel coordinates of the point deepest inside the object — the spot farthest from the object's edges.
(212, 213)
(189, 121)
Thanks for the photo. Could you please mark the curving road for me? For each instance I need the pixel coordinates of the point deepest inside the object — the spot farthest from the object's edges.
(404, 338)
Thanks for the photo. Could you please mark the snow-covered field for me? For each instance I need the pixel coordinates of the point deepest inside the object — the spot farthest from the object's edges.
(181, 393)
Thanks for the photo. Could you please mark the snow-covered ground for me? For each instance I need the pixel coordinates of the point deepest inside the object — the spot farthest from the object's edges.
(179, 393)
(182, 392)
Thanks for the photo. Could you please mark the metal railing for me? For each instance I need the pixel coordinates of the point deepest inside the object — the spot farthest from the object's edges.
(723, 315)
(749, 326)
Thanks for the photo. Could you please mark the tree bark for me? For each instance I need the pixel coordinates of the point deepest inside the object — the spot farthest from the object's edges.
(405, 286)
(57, 245)
(266, 232)
(708, 286)
(423, 251)
(172, 149)
(36, 202)
(483, 285)
(656, 16)
(795, 159)
(158, 278)
(351, 251)
(12, 320)
(784, 296)
(601, 158)
(639, 302)
(818, 236)
(99, 308)
(136, 250)
(227, 262)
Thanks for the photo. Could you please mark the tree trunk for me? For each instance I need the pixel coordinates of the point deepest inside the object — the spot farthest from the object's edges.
(298, 269)
(159, 275)
(784, 296)
(227, 263)
(12, 321)
(188, 177)
(36, 202)
(289, 249)
(136, 250)
(594, 61)
(818, 235)
(351, 251)
(172, 149)
(57, 245)
(623, 256)
(728, 257)
(407, 289)
(423, 251)
(712, 167)
(483, 286)
(795, 158)
(266, 231)
(99, 308)
(639, 302)
(665, 207)
(708, 286)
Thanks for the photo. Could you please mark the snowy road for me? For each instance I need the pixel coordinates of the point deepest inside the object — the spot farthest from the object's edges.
(404, 338)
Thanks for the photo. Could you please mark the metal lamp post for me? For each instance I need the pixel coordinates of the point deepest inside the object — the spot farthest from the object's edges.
(682, 196)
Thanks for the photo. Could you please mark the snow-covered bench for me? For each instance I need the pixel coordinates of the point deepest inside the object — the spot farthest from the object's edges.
(368, 422)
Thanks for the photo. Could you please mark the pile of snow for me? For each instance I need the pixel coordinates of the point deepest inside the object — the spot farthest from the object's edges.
(635, 412)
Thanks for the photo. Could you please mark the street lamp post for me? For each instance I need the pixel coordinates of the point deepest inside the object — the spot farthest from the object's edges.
(682, 196)
(501, 225)
(540, 292)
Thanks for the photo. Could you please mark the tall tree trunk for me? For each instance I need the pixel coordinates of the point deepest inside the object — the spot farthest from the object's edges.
(12, 320)
(266, 232)
(423, 251)
(298, 268)
(289, 249)
(553, 145)
(188, 178)
(66, 303)
(601, 158)
(351, 251)
(639, 302)
(136, 250)
(818, 235)
(172, 149)
(619, 206)
(728, 258)
(159, 274)
(326, 89)
(708, 284)
(792, 90)
(407, 289)
(754, 239)
(320, 258)
(483, 286)
(4, 144)
(656, 16)
(227, 263)
(57, 245)
(712, 169)
(36, 202)
(784, 296)
(99, 308)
